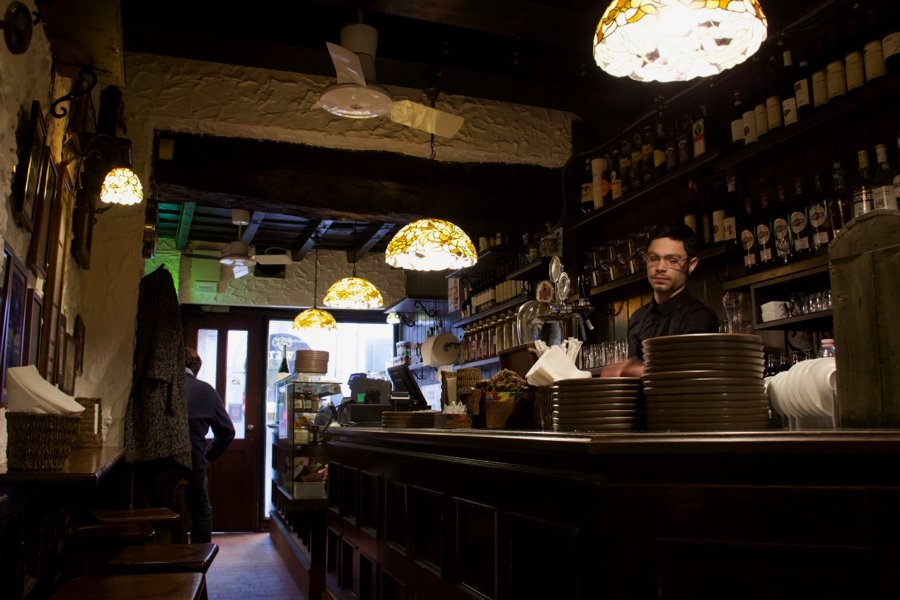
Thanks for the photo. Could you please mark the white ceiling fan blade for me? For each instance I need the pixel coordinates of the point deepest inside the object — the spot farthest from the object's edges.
(346, 65)
(425, 118)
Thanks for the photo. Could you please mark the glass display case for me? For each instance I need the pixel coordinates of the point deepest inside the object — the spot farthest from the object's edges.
(299, 461)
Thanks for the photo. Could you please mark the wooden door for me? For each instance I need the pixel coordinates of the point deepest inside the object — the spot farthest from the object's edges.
(230, 348)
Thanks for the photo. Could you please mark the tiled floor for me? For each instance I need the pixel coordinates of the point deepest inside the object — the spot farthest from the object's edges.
(248, 567)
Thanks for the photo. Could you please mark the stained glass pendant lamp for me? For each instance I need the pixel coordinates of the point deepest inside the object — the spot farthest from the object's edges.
(121, 186)
(677, 40)
(353, 292)
(430, 245)
(314, 318)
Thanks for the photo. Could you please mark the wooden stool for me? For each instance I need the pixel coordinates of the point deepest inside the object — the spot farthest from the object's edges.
(167, 558)
(161, 586)
(162, 517)
(87, 548)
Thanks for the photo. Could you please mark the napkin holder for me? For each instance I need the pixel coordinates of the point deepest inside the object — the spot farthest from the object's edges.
(40, 442)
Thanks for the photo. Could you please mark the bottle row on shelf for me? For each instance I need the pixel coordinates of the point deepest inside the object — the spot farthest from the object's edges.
(488, 337)
(772, 91)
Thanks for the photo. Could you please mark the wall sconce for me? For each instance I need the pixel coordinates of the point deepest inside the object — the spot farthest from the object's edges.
(106, 171)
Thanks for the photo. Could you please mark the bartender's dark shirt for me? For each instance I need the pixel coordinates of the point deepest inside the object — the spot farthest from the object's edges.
(680, 314)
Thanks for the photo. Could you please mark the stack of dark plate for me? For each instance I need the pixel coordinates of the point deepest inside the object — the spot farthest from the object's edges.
(394, 419)
(705, 382)
(311, 361)
(597, 404)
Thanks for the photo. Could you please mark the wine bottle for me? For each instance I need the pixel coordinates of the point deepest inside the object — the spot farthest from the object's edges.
(684, 139)
(820, 228)
(819, 78)
(883, 195)
(760, 114)
(835, 68)
(774, 85)
(649, 168)
(890, 41)
(853, 58)
(671, 149)
(698, 127)
(781, 227)
(800, 220)
(747, 233)
(600, 185)
(615, 176)
(729, 222)
(737, 121)
(841, 204)
(625, 166)
(692, 208)
(763, 227)
(587, 188)
(705, 222)
(660, 150)
(803, 90)
(718, 211)
(862, 190)
(748, 119)
(637, 161)
(789, 110)
(873, 50)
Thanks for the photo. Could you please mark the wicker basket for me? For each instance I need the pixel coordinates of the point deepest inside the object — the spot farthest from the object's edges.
(90, 428)
(40, 442)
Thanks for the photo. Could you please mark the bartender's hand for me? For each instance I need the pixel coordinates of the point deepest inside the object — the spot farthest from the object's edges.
(633, 367)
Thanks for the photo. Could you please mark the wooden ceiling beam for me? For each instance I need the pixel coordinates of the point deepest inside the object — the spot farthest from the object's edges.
(371, 237)
(310, 239)
(255, 221)
(182, 234)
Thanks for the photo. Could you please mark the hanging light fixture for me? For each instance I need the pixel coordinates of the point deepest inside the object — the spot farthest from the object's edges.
(353, 292)
(430, 245)
(314, 318)
(121, 186)
(106, 170)
(677, 40)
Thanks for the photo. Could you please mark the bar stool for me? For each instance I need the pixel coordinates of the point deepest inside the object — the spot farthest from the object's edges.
(164, 519)
(168, 586)
(164, 558)
(87, 548)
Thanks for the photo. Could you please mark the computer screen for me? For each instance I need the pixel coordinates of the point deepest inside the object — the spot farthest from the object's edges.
(403, 381)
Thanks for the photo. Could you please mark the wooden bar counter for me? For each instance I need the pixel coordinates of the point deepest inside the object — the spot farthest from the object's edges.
(39, 506)
(510, 515)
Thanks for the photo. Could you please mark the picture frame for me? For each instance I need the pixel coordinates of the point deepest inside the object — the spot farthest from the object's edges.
(34, 318)
(67, 381)
(14, 314)
(31, 156)
(60, 350)
(47, 200)
(79, 345)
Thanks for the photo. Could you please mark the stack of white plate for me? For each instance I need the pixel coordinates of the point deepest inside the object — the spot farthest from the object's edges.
(597, 404)
(407, 419)
(805, 390)
(705, 382)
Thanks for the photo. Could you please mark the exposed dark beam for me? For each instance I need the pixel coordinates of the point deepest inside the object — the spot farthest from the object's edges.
(255, 221)
(373, 234)
(311, 238)
(182, 234)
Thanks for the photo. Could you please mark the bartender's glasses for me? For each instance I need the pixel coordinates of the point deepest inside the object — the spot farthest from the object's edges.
(673, 261)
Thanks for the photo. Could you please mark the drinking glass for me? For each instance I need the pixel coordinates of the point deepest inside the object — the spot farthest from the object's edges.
(733, 303)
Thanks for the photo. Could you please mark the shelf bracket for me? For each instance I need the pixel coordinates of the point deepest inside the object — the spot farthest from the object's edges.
(430, 312)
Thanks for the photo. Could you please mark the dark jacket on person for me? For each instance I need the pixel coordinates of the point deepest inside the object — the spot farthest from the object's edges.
(681, 314)
(206, 410)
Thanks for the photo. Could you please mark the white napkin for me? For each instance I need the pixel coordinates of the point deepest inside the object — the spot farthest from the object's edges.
(30, 393)
(553, 365)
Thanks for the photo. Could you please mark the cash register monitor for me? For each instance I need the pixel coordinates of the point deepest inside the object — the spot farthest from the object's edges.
(404, 383)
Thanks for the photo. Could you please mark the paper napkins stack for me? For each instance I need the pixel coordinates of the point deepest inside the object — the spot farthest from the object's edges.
(30, 393)
(555, 363)
(772, 311)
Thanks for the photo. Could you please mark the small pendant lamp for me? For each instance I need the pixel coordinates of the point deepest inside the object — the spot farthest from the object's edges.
(314, 318)
(677, 40)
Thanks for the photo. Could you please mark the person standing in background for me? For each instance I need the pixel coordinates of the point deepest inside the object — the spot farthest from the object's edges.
(206, 411)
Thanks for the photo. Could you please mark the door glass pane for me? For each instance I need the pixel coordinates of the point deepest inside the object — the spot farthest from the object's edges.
(236, 381)
(208, 348)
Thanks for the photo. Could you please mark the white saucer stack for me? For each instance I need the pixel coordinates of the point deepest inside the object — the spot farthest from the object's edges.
(705, 382)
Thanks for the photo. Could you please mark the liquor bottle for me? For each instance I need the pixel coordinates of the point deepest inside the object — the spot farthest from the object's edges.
(698, 127)
(660, 150)
(800, 220)
(684, 139)
(855, 72)
(600, 180)
(671, 149)
(625, 166)
(789, 76)
(747, 236)
(774, 85)
(729, 222)
(748, 119)
(819, 78)
(649, 169)
(835, 69)
(705, 223)
(692, 209)
(890, 42)
(615, 176)
(820, 228)
(765, 242)
(841, 204)
(737, 121)
(761, 119)
(803, 90)
(781, 227)
(873, 50)
(862, 190)
(718, 212)
(883, 195)
(587, 188)
(637, 161)
(606, 179)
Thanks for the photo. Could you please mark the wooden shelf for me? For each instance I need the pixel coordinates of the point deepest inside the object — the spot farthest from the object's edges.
(541, 265)
(419, 366)
(497, 308)
(483, 362)
(790, 323)
(650, 187)
(810, 266)
(486, 265)
(408, 305)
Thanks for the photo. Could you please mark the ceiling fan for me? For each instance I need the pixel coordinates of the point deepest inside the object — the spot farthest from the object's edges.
(236, 255)
(356, 96)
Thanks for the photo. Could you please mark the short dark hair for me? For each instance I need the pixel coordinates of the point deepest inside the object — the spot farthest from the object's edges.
(680, 233)
(192, 360)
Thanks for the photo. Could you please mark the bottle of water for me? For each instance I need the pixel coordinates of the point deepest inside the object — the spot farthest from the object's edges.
(826, 349)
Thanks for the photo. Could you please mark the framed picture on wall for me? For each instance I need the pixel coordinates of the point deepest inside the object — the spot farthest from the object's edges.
(27, 181)
(34, 317)
(60, 349)
(14, 316)
(67, 381)
(45, 204)
(79, 345)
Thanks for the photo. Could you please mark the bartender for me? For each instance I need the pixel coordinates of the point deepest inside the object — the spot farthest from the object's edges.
(671, 257)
